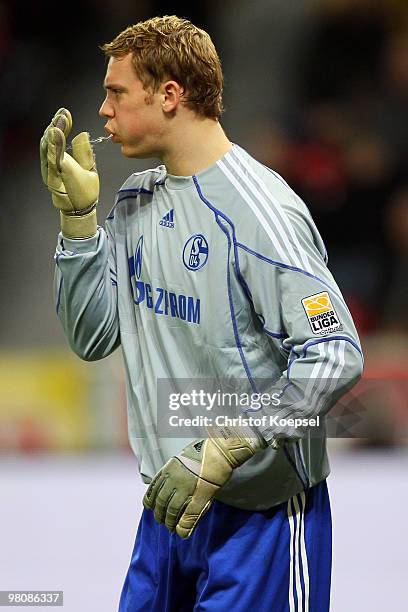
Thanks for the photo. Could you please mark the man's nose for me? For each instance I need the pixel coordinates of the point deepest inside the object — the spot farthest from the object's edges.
(106, 109)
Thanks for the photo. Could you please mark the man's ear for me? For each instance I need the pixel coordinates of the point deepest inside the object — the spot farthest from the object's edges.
(171, 94)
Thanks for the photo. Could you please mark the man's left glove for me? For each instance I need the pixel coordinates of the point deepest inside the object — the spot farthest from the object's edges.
(182, 491)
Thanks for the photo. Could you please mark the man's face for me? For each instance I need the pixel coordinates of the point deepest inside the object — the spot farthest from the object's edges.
(134, 116)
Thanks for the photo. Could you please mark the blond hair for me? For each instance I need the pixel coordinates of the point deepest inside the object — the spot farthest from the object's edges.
(172, 48)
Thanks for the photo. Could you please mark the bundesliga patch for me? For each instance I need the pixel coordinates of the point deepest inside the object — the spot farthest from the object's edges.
(321, 314)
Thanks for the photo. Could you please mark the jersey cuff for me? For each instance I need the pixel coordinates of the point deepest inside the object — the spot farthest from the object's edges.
(80, 245)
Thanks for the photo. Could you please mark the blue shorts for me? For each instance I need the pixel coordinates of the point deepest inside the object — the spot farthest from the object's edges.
(276, 560)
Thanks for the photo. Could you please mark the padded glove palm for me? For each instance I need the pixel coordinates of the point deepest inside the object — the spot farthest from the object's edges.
(182, 491)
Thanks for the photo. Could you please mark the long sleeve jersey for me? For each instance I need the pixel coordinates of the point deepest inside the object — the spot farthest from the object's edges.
(217, 276)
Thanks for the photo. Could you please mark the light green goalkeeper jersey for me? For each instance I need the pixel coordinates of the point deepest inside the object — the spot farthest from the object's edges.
(221, 276)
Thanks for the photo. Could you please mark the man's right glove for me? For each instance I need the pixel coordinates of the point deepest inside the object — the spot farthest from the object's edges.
(183, 490)
(73, 181)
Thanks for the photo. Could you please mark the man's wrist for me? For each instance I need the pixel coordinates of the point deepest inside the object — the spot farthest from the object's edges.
(79, 226)
(252, 436)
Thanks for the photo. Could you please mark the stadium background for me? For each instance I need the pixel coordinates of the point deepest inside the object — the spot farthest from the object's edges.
(318, 90)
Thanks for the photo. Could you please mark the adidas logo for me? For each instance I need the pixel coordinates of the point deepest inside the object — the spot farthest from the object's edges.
(168, 219)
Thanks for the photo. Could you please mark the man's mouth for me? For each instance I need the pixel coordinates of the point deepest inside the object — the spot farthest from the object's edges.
(110, 133)
(113, 135)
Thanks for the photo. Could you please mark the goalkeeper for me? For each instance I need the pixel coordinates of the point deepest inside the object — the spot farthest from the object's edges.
(208, 266)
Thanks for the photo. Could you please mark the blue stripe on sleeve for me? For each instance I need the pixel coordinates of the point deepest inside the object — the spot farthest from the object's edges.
(130, 193)
(286, 266)
(59, 295)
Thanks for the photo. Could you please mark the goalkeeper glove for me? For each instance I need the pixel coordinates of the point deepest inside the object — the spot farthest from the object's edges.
(72, 180)
(182, 491)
